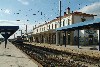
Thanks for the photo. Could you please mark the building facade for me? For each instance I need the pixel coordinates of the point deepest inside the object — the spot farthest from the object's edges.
(46, 33)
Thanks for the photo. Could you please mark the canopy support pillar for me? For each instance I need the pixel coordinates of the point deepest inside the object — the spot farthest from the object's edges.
(99, 38)
(65, 38)
(78, 38)
(5, 39)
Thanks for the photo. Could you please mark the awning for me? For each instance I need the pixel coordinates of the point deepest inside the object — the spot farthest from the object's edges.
(93, 23)
(7, 31)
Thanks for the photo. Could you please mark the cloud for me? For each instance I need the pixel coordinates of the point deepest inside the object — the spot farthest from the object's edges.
(24, 2)
(92, 9)
(21, 24)
(7, 11)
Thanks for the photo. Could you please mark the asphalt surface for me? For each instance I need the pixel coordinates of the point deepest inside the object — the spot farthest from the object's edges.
(13, 57)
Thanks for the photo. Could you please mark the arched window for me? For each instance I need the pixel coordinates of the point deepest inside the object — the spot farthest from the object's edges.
(55, 26)
(40, 29)
(44, 28)
(49, 26)
(68, 22)
(52, 26)
(63, 22)
(37, 30)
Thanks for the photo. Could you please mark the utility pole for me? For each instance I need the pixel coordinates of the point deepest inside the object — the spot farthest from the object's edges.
(58, 33)
(60, 19)
(60, 12)
(26, 29)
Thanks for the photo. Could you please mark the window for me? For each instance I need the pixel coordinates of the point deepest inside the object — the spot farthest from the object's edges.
(52, 26)
(68, 22)
(63, 22)
(44, 28)
(40, 29)
(55, 26)
(37, 30)
(49, 26)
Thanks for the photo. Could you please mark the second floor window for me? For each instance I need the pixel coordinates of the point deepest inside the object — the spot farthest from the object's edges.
(68, 22)
(49, 26)
(52, 26)
(44, 28)
(63, 22)
(40, 29)
(37, 30)
(55, 26)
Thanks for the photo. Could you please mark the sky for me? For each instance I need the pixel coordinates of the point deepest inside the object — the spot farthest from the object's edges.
(35, 12)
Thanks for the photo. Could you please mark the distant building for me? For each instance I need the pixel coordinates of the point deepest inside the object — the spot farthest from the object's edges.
(46, 33)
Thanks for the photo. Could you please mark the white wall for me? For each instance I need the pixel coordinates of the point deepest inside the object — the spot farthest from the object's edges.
(66, 20)
(77, 18)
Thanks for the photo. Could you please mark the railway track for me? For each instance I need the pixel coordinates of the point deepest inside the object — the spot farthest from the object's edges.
(53, 58)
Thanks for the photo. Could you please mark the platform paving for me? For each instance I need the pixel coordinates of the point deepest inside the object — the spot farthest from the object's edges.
(13, 57)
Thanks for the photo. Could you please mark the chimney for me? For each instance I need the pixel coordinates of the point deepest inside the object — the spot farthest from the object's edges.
(35, 26)
(68, 10)
(64, 13)
(72, 11)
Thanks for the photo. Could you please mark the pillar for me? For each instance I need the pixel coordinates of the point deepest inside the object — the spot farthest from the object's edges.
(99, 38)
(60, 38)
(44, 38)
(40, 38)
(78, 38)
(65, 38)
(5, 39)
(57, 37)
(52, 39)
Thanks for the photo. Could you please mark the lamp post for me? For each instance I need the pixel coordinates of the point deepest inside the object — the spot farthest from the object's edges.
(60, 12)
(26, 28)
(58, 33)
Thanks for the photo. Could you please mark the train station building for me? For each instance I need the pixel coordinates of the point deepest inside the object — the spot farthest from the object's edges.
(66, 33)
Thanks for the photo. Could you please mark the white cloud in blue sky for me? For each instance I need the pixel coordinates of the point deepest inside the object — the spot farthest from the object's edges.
(21, 24)
(92, 9)
(7, 11)
(49, 9)
(24, 2)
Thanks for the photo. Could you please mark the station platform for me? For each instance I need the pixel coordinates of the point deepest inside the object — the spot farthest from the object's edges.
(13, 57)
